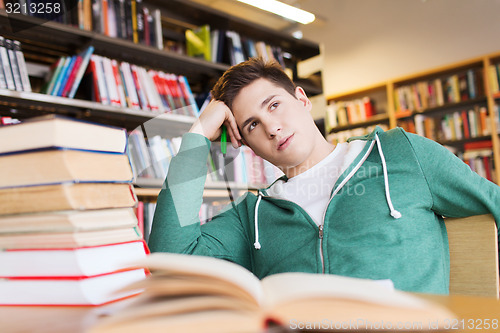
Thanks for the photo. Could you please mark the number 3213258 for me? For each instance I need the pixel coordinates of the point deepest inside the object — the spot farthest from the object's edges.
(33, 8)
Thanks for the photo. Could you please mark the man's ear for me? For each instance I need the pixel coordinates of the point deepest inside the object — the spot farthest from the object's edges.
(300, 94)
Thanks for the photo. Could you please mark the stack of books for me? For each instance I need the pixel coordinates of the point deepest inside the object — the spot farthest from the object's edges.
(67, 225)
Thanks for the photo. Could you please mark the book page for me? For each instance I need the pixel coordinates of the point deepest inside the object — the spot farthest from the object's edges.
(200, 266)
(336, 302)
(286, 287)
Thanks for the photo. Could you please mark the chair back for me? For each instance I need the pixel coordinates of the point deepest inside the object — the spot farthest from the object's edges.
(473, 243)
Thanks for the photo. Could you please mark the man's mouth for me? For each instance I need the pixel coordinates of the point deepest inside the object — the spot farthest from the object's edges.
(284, 143)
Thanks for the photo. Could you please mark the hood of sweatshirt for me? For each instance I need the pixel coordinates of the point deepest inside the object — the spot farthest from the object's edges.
(372, 140)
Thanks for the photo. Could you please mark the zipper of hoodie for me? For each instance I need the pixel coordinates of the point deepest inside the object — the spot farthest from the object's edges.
(341, 185)
(320, 234)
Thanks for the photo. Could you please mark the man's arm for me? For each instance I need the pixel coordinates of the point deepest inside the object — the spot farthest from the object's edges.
(176, 224)
(456, 190)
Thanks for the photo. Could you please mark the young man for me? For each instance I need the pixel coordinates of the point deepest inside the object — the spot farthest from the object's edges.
(370, 208)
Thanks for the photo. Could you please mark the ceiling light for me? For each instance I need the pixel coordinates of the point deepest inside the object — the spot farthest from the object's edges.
(282, 9)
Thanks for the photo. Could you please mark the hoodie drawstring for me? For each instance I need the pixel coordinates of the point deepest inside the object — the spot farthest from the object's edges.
(394, 213)
(256, 221)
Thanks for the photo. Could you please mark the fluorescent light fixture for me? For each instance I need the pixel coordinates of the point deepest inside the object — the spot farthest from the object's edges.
(282, 9)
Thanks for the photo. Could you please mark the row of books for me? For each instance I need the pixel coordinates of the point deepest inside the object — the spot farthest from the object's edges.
(67, 225)
(440, 91)
(242, 166)
(227, 46)
(459, 125)
(341, 113)
(480, 159)
(127, 85)
(151, 159)
(13, 70)
(67, 73)
(342, 136)
(127, 19)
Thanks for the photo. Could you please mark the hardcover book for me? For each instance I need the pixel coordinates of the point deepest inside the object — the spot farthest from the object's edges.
(192, 293)
(59, 131)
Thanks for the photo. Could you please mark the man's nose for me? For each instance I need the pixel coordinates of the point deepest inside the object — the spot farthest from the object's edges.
(272, 128)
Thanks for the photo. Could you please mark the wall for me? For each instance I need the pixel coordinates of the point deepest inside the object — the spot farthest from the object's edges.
(366, 42)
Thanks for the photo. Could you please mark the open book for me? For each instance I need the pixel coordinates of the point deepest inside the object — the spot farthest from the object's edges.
(193, 294)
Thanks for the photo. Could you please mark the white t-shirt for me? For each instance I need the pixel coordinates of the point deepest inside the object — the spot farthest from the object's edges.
(311, 189)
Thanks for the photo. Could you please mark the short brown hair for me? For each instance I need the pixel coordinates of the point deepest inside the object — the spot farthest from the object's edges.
(241, 75)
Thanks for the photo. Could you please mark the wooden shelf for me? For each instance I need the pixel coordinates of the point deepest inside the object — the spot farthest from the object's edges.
(32, 104)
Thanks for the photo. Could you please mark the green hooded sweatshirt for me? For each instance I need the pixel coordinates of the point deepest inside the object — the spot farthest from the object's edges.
(384, 219)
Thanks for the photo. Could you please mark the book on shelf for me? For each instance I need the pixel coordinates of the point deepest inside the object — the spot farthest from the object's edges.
(146, 210)
(150, 159)
(91, 290)
(478, 155)
(13, 71)
(191, 292)
(198, 42)
(125, 85)
(439, 91)
(457, 125)
(83, 261)
(125, 19)
(59, 131)
(342, 113)
(492, 72)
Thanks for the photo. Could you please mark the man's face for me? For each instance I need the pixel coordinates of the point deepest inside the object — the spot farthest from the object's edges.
(277, 126)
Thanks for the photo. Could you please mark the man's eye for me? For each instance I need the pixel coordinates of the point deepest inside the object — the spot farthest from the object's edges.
(252, 126)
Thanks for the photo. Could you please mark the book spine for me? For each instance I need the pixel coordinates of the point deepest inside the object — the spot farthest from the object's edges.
(139, 88)
(109, 78)
(60, 75)
(129, 86)
(16, 74)
(71, 77)
(158, 29)
(81, 71)
(119, 83)
(101, 81)
(188, 96)
(23, 70)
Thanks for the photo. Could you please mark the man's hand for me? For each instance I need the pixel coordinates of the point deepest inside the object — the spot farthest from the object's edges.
(210, 122)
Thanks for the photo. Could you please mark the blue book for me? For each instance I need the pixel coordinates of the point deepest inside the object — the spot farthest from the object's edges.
(83, 66)
(58, 86)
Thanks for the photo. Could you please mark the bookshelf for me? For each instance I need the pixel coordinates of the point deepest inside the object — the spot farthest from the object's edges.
(455, 105)
(44, 42)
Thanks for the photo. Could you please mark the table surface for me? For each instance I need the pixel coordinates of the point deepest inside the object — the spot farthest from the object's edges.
(75, 319)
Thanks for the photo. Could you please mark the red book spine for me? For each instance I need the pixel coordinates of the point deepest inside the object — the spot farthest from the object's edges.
(72, 76)
(140, 216)
(93, 69)
(465, 122)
